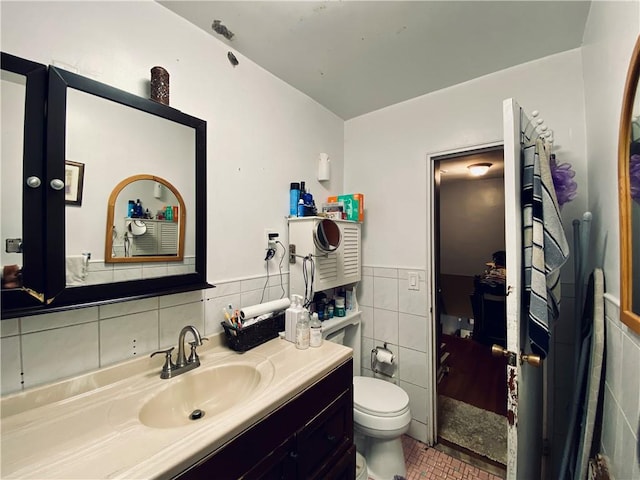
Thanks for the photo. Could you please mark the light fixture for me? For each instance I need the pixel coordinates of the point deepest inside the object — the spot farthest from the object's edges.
(479, 169)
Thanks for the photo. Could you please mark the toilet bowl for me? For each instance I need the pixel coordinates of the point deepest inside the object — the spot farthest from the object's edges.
(381, 414)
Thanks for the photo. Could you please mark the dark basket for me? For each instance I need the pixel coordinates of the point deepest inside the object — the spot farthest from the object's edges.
(244, 339)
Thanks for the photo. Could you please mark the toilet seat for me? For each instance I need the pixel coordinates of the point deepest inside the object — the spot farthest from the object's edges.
(375, 397)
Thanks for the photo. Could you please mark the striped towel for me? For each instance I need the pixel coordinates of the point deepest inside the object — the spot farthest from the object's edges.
(545, 246)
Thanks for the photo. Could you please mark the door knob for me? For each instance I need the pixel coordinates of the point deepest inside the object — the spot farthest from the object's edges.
(531, 359)
(33, 182)
(57, 184)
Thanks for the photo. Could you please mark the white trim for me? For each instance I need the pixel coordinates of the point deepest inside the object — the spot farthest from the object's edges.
(432, 378)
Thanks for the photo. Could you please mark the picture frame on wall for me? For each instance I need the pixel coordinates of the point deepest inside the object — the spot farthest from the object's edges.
(73, 182)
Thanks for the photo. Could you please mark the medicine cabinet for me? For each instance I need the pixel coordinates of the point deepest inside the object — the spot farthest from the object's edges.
(332, 251)
(114, 135)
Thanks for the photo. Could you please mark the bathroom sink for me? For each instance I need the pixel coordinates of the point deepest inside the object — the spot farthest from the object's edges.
(202, 394)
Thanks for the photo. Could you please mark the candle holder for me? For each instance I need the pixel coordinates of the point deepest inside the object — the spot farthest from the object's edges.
(160, 85)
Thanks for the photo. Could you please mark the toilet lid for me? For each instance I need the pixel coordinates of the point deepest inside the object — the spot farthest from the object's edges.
(377, 397)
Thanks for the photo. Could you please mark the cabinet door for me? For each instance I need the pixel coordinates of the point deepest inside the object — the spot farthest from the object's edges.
(278, 465)
(325, 438)
(345, 467)
(23, 183)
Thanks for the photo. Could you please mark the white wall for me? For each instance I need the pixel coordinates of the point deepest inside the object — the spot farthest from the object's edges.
(611, 32)
(386, 150)
(261, 135)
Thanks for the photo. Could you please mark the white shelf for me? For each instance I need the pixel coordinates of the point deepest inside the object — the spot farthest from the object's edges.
(336, 323)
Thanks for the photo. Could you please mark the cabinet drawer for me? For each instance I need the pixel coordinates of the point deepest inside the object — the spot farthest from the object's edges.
(326, 437)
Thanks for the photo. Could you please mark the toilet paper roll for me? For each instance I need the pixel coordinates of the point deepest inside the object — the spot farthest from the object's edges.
(384, 356)
(262, 308)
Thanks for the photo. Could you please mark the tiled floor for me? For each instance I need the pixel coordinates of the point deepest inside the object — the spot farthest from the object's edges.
(426, 463)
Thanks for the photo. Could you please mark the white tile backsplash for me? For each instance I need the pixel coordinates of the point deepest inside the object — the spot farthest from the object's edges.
(128, 336)
(128, 308)
(412, 367)
(172, 319)
(49, 321)
(412, 301)
(366, 320)
(385, 272)
(385, 293)
(9, 327)
(10, 367)
(213, 312)
(412, 331)
(59, 353)
(365, 291)
(385, 325)
(180, 299)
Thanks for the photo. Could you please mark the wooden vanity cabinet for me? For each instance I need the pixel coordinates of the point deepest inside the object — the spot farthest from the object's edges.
(309, 437)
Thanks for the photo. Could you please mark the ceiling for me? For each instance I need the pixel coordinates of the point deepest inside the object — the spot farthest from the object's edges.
(355, 57)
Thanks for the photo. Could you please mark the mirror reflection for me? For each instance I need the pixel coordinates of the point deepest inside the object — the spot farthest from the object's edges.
(111, 141)
(634, 176)
(145, 219)
(13, 94)
(327, 235)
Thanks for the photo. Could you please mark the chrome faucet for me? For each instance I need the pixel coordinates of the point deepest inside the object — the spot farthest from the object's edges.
(182, 364)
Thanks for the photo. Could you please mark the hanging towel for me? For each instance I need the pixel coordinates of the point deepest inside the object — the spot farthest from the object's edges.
(545, 246)
(76, 269)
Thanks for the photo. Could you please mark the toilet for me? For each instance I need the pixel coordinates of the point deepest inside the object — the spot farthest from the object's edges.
(380, 408)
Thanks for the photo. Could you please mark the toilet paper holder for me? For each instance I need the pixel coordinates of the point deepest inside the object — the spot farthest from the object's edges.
(382, 359)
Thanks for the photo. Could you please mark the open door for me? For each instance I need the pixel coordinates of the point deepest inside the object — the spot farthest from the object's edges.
(524, 381)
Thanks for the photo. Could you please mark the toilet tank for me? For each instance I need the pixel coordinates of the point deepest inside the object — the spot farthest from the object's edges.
(346, 331)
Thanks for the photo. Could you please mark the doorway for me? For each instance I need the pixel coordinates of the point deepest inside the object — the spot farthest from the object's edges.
(469, 306)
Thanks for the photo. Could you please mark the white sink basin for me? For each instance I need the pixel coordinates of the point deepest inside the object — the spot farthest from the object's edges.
(199, 395)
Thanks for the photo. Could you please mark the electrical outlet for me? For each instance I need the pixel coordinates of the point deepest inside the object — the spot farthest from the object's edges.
(292, 253)
(271, 235)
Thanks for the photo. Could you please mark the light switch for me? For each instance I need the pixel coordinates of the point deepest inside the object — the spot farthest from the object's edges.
(414, 282)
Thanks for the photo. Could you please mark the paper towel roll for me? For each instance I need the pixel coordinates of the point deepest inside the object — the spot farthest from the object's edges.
(384, 356)
(262, 308)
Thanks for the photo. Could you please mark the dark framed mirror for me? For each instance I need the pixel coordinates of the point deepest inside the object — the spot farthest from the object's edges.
(629, 188)
(24, 87)
(114, 135)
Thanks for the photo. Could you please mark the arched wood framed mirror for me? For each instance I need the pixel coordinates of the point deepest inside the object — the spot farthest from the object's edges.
(629, 189)
(146, 221)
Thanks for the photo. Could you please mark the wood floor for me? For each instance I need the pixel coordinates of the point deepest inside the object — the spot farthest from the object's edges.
(475, 377)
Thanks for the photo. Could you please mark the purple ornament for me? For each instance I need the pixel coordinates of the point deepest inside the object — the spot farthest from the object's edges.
(563, 182)
(634, 176)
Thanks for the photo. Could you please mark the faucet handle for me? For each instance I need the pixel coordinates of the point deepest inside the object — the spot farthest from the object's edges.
(193, 357)
(168, 366)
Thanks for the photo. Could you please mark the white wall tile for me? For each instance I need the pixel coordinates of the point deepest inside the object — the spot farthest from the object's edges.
(364, 291)
(412, 330)
(614, 356)
(10, 366)
(365, 361)
(417, 401)
(127, 308)
(385, 325)
(418, 431)
(9, 327)
(412, 367)
(385, 272)
(154, 271)
(223, 289)
(252, 284)
(412, 301)
(173, 319)
(366, 320)
(49, 321)
(630, 377)
(213, 312)
(122, 338)
(367, 271)
(403, 273)
(53, 354)
(385, 293)
(127, 274)
(180, 298)
(252, 297)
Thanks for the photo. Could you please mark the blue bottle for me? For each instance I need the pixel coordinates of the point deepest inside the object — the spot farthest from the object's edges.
(294, 197)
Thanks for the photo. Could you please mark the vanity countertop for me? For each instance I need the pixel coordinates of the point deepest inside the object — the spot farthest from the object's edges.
(88, 426)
